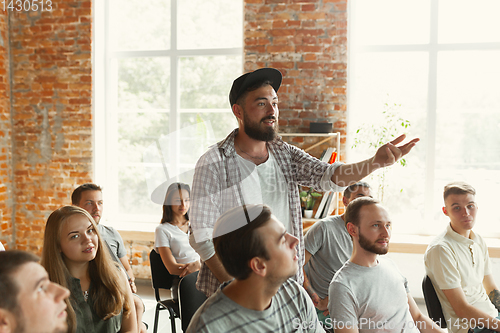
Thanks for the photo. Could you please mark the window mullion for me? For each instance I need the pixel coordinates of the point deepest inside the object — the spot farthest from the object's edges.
(431, 109)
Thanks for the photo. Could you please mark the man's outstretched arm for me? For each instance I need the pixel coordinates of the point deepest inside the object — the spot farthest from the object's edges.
(385, 156)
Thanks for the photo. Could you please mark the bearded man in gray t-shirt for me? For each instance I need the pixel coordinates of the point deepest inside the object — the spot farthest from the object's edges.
(328, 246)
(369, 294)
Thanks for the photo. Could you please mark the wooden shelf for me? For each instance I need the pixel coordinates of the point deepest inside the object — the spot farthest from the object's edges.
(328, 136)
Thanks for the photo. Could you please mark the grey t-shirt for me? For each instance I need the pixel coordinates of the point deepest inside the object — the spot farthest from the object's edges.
(372, 298)
(331, 246)
(114, 240)
(291, 310)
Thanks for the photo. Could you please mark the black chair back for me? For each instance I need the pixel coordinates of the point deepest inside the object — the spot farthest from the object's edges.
(432, 302)
(190, 298)
(162, 279)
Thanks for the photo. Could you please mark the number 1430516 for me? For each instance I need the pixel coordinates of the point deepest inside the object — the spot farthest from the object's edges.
(26, 5)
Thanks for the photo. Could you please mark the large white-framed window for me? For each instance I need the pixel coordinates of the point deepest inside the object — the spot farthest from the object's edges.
(162, 69)
(435, 64)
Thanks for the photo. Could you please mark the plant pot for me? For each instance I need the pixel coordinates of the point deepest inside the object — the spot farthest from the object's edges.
(308, 213)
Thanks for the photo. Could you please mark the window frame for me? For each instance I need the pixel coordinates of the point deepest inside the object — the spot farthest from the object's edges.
(106, 109)
(432, 48)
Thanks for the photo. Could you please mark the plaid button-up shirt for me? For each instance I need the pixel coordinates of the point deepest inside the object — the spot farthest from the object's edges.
(217, 188)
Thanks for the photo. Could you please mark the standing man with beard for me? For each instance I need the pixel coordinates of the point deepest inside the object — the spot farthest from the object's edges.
(253, 166)
(369, 294)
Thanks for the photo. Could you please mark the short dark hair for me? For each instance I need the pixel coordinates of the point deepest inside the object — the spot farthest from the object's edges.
(167, 207)
(354, 187)
(458, 188)
(354, 207)
(255, 86)
(76, 196)
(10, 262)
(236, 248)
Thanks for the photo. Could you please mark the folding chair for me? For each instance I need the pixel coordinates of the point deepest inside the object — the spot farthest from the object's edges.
(433, 304)
(162, 279)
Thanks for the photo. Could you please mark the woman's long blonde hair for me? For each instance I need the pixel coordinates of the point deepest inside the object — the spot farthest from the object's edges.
(108, 293)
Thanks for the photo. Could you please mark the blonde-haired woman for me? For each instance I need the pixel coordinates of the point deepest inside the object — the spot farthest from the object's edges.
(75, 257)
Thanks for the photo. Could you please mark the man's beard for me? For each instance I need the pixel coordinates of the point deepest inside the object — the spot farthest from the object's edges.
(276, 280)
(371, 247)
(256, 132)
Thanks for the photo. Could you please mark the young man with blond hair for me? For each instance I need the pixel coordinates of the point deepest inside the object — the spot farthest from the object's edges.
(458, 264)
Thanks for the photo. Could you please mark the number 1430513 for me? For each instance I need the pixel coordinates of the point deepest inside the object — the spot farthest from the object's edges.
(26, 5)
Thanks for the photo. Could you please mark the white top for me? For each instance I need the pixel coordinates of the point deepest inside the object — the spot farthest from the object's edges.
(453, 261)
(169, 235)
(1, 247)
(266, 184)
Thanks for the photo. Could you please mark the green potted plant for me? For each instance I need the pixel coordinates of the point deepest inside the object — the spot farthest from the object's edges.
(308, 199)
(371, 136)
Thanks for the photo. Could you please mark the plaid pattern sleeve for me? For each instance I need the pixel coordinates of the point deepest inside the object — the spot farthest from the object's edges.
(215, 189)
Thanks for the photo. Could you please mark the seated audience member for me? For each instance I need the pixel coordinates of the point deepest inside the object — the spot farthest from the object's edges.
(458, 264)
(369, 294)
(171, 236)
(74, 256)
(328, 246)
(29, 302)
(255, 248)
(89, 197)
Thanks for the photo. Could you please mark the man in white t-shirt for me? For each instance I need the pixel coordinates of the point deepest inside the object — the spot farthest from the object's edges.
(253, 162)
(369, 294)
(458, 264)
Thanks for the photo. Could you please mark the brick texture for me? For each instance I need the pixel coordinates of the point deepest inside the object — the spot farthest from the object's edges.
(46, 116)
(51, 115)
(307, 41)
(6, 200)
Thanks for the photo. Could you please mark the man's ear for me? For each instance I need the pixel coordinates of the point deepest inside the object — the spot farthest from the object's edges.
(345, 201)
(237, 111)
(7, 321)
(445, 211)
(258, 266)
(352, 229)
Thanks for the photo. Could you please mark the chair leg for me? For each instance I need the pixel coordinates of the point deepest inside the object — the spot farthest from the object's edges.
(172, 319)
(157, 313)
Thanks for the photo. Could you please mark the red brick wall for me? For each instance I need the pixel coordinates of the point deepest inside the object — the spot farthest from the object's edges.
(51, 112)
(6, 201)
(307, 41)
